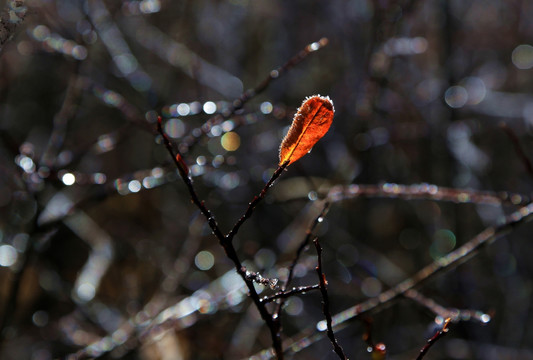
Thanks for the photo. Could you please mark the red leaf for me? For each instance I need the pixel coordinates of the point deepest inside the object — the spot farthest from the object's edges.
(310, 124)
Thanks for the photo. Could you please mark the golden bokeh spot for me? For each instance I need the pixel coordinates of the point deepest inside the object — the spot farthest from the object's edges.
(230, 141)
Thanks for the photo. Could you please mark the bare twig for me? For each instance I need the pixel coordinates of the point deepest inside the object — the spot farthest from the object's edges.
(289, 293)
(434, 339)
(325, 302)
(309, 235)
(226, 240)
(237, 104)
(255, 201)
(303, 245)
(518, 148)
(446, 263)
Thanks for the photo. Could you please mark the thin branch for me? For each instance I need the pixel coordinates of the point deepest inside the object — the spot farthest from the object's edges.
(454, 314)
(184, 173)
(275, 74)
(237, 104)
(226, 240)
(325, 302)
(309, 235)
(518, 148)
(299, 251)
(446, 263)
(255, 201)
(425, 191)
(289, 293)
(439, 334)
(66, 113)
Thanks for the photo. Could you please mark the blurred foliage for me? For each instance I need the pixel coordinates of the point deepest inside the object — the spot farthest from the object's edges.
(98, 237)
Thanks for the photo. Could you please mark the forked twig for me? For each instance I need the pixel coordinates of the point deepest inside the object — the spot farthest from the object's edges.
(226, 240)
(448, 262)
(308, 236)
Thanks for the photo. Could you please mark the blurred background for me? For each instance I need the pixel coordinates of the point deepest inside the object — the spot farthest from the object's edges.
(102, 254)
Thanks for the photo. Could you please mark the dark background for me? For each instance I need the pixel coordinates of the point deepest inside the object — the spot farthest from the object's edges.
(421, 90)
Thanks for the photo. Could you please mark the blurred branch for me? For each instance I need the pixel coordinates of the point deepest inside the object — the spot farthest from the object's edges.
(180, 56)
(237, 104)
(10, 305)
(453, 259)
(453, 314)
(64, 115)
(117, 47)
(425, 191)
(518, 148)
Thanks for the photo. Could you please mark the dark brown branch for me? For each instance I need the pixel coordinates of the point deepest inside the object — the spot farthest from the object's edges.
(448, 262)
(255, 201)
(434, 339)
(325, 302)
(299, 252)
(226, 240)
(309, 235)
